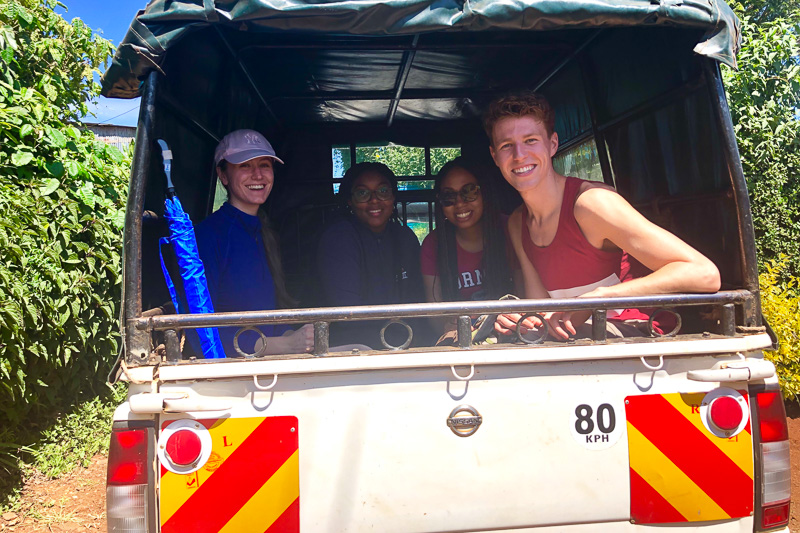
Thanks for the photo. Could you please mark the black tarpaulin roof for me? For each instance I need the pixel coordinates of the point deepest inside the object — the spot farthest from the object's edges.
(165, 23)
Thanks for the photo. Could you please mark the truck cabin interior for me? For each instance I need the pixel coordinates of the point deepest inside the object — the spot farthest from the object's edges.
(635, 107)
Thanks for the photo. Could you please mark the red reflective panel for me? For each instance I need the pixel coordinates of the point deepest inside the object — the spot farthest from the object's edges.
(772, 417)
(127, 457)
(775, 516)
(726, 413)
(183, 447)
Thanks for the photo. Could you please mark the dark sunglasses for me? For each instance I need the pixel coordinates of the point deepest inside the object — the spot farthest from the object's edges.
(362, 196)
(468, 193)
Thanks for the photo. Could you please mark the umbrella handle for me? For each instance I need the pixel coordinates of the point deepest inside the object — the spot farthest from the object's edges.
(166, 155)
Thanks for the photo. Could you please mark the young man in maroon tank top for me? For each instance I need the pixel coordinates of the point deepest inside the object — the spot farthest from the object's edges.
(569, 234)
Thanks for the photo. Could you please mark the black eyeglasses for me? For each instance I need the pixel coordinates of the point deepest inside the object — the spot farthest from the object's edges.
(468, 193)
(362, 196)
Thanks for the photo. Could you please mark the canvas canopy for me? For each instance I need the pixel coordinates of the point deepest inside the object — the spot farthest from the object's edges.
(165, 23)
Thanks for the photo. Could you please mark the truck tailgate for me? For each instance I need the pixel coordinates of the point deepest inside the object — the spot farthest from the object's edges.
(569, 443)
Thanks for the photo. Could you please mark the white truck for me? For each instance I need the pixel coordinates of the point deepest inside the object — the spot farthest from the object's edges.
(683, 431)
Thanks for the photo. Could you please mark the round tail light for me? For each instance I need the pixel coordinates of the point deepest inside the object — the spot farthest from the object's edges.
(725, 413)
(183, 447)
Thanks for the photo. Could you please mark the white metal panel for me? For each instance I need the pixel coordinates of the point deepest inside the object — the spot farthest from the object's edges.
(376, 453)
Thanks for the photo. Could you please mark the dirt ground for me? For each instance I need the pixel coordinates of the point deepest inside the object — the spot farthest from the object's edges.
(74, 502)
(77, 501)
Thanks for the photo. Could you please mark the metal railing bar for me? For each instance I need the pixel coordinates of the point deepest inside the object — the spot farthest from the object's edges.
(339, 314)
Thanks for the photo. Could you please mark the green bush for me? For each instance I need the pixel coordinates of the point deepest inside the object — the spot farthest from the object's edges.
(764, 95)
(780, 304)
(78, 436)
(61, 214)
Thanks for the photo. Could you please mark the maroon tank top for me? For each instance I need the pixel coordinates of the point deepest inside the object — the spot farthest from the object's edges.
(570, 266)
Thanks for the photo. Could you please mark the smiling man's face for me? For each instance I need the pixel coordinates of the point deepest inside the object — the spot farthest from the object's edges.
(523, 150)
(248, 183)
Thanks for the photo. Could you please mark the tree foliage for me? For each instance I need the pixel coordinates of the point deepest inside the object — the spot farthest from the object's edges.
(407, 160)
(761, 11)
(764, 97)
(61, 213)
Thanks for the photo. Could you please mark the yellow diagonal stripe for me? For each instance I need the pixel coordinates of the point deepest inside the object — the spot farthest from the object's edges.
(176, 489)
(739, 448)
(271, 500)
(669, 481)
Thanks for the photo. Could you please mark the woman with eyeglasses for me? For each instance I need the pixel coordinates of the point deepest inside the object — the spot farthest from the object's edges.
(465, 257)
(368, 257)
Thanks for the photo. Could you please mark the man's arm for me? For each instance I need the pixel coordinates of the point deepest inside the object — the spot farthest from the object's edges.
(608, 219)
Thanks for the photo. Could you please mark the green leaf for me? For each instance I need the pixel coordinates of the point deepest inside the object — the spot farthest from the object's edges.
(7, 55)
(38, 112)
(21, 159)
(49, 186)
(75, 304)
(25, 130)
(71, 168)
(56, 137)
(50, 92)
(118, 219)
(114, 153)
(86, 194)
(74, 132)
(55, 168)
(24, 16)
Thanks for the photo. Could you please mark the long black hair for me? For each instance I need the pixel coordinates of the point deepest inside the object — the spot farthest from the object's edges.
(496, 280)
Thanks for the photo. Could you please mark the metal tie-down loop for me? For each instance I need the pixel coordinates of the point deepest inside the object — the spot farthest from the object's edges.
(259, 352)
(651, 367)
(262, 387)
(675, 330)
(463, 378)
(403, 346)
(538, 340)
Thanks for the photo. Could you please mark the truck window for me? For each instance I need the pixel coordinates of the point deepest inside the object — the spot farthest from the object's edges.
(580, 160)
(415, 166)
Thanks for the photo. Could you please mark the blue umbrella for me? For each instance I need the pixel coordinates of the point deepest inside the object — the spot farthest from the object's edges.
(184, 244)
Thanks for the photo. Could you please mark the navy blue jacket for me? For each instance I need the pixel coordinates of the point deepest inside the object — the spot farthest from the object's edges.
(356, 266)
(237, 271)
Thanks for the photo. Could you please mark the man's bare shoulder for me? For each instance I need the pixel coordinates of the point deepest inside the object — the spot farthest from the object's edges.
(599, 199)
(594, 185)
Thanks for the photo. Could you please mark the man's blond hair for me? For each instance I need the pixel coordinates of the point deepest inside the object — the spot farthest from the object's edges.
(519, 104)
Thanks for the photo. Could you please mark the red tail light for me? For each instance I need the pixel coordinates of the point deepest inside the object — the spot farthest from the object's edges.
(127, 496)
(772, 417)
(775, 516)
(775, 464)
(127, 457)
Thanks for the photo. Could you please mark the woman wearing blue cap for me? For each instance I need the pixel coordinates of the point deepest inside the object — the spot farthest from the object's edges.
(240, 251)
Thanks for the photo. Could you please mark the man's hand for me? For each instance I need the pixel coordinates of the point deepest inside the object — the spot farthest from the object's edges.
(563, 324)
(507, 324)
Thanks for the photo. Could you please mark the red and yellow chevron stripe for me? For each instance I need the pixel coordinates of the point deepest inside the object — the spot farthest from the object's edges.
(251, 482)
(681, 472)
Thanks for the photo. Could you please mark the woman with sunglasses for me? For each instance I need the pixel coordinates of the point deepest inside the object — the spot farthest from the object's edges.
(368, 258)
(465, 257)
